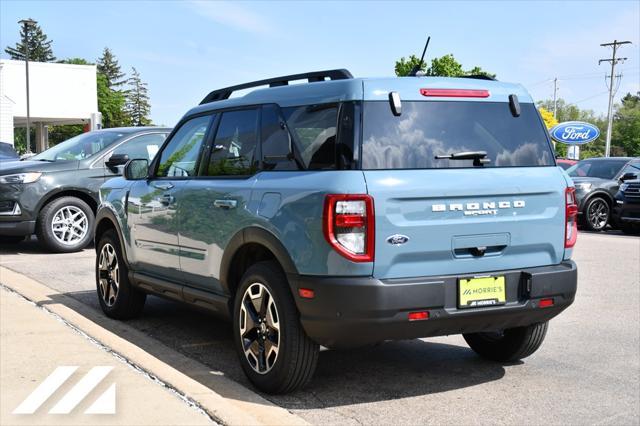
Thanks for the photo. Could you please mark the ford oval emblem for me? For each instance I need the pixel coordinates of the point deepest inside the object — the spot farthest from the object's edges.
(575, 132)
(397, 239)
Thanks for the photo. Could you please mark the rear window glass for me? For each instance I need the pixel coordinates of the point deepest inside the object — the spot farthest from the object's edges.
(429, 129)
(314, 130)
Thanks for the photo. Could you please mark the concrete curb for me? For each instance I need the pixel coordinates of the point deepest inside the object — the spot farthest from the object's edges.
(223, 399)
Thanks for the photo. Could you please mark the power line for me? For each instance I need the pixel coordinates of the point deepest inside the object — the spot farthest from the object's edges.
(613, 61)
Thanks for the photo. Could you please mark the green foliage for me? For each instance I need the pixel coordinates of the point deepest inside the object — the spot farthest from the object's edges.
(75, 61)
(404, 66)
(445, 66)
(108, 66)
(137, 105)
(111, 104)
(39, 46)
(58, 134)
(626, 125)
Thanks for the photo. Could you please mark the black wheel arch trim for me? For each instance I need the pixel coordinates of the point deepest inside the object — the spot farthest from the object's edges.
(598, 193)
(254, 235)
(105, 213)
(60, 192)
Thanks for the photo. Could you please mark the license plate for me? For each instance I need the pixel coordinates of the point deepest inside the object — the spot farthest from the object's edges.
(484, 291)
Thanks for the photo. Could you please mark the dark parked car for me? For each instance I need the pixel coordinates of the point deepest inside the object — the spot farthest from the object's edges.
(597, 180)
(626, 211)
(55, 193)
(7, 153)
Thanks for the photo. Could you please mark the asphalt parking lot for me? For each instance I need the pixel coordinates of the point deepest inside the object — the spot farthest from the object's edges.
(587, 371)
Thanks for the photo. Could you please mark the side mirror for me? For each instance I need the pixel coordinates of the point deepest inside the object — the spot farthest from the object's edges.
(628, 176)
(116, 160)
(136, 169)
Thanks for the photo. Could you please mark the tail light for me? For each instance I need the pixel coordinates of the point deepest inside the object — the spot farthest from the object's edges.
(571, 217)
(349, 226)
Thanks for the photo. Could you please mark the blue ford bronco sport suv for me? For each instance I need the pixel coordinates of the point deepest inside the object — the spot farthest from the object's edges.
(343, 212)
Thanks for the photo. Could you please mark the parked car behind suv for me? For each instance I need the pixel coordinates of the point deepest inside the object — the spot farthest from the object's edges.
(55, 194)
(626, 211)
(597, 180)
(7, 153)
(344, 212)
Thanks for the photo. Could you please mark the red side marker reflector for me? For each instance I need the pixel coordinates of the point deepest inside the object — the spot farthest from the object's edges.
(455, 93)
(417, 316)
(545, 303)
(306, 293)
(350, 220)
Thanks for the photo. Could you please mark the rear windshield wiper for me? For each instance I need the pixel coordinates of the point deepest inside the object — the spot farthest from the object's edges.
(478, 157)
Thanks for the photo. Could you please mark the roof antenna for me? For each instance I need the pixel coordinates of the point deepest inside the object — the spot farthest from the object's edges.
(416, 69)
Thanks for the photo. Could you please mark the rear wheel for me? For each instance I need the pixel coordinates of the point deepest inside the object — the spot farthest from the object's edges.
(65, 225)
(275, 352)
(596, 214)
(510, 344)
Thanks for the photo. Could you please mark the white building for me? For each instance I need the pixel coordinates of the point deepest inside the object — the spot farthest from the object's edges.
(58, 94)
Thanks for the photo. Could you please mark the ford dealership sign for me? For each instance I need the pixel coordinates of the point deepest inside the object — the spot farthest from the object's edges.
(575, 132)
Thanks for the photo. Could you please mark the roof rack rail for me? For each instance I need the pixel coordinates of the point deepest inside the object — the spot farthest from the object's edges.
(221, 94)
(480, 77)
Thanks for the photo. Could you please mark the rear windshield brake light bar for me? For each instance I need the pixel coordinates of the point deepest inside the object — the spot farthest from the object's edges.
(455, 93)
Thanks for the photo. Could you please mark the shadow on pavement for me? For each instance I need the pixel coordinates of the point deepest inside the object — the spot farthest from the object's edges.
(378, 373)
(29, 246)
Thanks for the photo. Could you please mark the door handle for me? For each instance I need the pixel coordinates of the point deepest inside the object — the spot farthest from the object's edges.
(225, 204)
(164, 186)
(168, 199)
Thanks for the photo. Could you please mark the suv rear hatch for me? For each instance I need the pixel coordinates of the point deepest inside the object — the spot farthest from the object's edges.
(438, 216)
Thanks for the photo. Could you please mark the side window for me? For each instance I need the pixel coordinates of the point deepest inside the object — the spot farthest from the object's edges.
(275, 140)
(314, 128)
(234, 148)
(633, 167)
(180, 156)
(145, 146)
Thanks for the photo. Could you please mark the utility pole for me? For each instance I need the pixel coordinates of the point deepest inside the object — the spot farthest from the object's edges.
(612, 77)
(26, 24)
(555, 97)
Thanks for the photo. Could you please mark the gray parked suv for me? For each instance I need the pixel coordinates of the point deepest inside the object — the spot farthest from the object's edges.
(55, 193)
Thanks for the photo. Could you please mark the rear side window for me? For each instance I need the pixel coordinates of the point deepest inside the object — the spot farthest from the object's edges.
(429, 129)
(234, 148)
(603, 169)
(313, 128)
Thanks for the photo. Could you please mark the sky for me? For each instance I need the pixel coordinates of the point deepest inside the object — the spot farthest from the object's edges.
(184, 49)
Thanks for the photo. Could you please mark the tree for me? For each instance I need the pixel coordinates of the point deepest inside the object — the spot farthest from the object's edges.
(626, 125)
(39, 46)
(404, 66)
(111, 103)
(108, 66)
(445, 66)
(137, 106)
(74, 61)
(547, 116)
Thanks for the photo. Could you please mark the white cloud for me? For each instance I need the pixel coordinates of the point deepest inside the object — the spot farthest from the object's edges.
(234, 15)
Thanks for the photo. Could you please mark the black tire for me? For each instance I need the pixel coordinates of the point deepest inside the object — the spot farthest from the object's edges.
(297, 355)
(596, 214)
(46, 216)
(511, 344)
(630, 228)
(128, 301)
(11, 239)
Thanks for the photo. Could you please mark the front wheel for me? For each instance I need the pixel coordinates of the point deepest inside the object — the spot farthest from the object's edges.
(596, 214)
(275, 352)
(65, 225)
(510, 344)
(117, 297)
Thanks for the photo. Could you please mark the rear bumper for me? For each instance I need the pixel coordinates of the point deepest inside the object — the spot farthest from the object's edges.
(355, 311)
(17, 229)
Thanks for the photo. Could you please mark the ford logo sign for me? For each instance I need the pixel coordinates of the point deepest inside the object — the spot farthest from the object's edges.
(397, 239)
(574, 132)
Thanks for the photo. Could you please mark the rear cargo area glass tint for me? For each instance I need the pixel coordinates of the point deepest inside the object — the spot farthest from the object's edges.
(428, 129)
